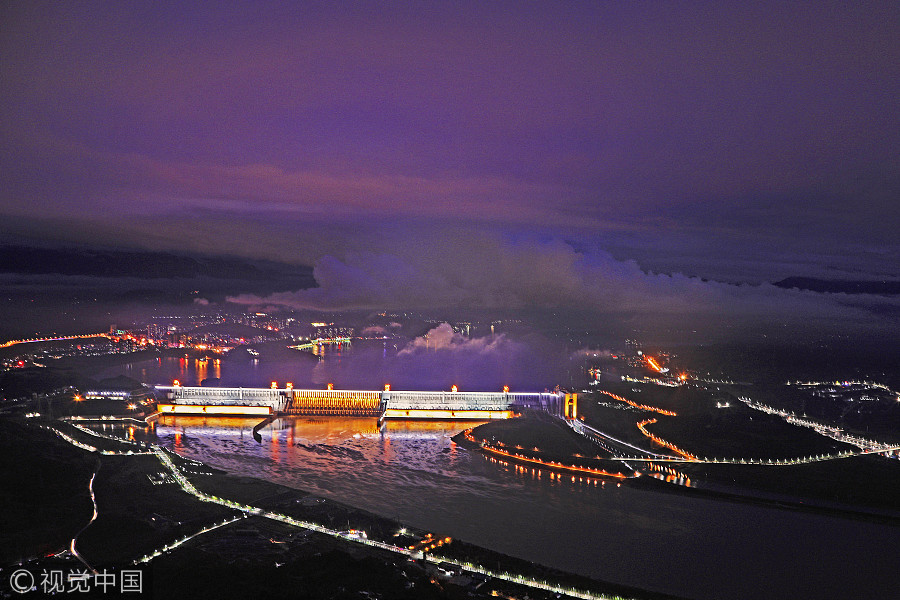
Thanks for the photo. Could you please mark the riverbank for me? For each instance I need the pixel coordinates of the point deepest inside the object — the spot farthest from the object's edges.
(142, 509)
(43, 492)
(538, 441)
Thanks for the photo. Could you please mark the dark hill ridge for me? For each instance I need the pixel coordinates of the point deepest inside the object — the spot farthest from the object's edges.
(145, 265)
(839, 286)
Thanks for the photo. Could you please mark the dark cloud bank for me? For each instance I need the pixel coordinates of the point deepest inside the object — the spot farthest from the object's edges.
(589, 158)
(489, 272)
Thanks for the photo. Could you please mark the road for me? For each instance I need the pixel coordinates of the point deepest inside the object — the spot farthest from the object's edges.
(72, 548)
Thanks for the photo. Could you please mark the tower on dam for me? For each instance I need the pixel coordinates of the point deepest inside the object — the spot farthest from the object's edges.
(571, 406)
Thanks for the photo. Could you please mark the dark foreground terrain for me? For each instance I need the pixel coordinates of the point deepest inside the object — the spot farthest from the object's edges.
(142, 511)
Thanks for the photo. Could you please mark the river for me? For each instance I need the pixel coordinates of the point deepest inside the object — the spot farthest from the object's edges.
(679, 544)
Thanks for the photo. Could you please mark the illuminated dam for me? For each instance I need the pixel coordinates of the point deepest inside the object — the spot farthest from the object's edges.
(384, 404)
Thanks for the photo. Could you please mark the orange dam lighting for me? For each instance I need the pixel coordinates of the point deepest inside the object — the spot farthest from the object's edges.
(446, 414)
(210, 409)
(548, 464)
(662, 411)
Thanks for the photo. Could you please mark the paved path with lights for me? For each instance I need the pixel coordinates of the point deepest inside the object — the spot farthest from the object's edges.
(53, 339)
(93, 518)
(866, 446)
(249, 510)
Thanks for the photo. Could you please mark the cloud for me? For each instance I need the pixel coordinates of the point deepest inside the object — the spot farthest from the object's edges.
(373, 330)
(443, 339)
(602, 112)
(490, 272)
(442, 358)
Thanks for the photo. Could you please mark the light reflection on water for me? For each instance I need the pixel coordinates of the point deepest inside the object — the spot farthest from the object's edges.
(234, 369)
(683, 545)
(189, 371)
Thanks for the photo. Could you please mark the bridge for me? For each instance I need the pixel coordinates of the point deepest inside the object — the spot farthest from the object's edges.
(384, 404)
(53, 339)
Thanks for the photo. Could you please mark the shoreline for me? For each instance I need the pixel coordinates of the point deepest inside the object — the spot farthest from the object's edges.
(583, 466)
(655, 485)
(465, 440)
(275, 499)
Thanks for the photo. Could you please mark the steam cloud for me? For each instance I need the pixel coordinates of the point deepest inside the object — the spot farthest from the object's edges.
(481, 271)
(442, 358)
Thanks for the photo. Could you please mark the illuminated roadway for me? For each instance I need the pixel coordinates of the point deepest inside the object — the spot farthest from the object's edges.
(249, 510)
(188, 487)
(592, 433)
(53, 339)
(648, 456)
(835, 433)
(93, 518)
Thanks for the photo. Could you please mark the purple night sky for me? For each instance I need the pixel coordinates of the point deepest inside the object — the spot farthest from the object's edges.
(474, 154)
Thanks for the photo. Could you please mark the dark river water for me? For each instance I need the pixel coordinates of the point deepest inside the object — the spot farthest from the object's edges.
(679, 544)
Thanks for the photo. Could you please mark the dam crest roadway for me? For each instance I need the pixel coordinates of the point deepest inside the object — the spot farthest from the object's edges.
(383, 404)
